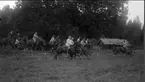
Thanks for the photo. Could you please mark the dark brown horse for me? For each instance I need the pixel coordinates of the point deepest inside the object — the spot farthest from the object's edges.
(126, 50)
(34, 45)
(55, 44)
(40, 44)
(4, 42)
(73, 52)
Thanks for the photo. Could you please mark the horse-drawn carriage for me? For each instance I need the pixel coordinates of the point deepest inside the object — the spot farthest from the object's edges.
(117, 45)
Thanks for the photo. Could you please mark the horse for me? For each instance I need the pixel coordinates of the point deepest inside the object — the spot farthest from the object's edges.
(23, 43)
(81, 50)
(74, 51)
(64, 49)
(3, 42)
(88, 45)
(127, 51)
(54, 44)
(27, 43)
(8, 41)
(40, 44)
(20, 43)
(34, 45)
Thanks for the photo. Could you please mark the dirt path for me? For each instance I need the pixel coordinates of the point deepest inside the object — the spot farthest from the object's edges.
(38, 67)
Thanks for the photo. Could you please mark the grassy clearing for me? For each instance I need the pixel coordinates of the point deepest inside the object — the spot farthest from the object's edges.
(16, 66)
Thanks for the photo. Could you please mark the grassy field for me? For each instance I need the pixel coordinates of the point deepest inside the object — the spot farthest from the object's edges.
(18, 66)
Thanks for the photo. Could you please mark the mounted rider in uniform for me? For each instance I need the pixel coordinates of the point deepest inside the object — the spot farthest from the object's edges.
(79, 39)
(83, 43)
(11, 34)
(52, 40)
(36, 37)
(17, 41)
(69, 42)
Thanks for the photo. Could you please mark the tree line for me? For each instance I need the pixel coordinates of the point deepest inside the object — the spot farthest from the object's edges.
(90, 18)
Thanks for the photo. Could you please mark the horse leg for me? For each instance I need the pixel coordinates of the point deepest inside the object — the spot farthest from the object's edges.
(68, 52)
(51, 50)
(87, 56)
(41, 47)
(55, 56)
(80, 53)
(34, 47)
(15, 46)
(74, 56)
(70, 55)
(31, 46)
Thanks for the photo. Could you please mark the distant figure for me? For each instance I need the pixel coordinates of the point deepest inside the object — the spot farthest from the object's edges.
(69, 42)
(17, 41)
(35, 36)
(83, 42)
(79, 39)
(52, 40)
(18, 35)
(87, 41)
(10, 35)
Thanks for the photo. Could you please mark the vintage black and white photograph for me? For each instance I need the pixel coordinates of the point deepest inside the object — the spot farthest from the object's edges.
(72, 41)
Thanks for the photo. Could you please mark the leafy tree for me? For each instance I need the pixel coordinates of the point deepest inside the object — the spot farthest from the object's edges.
(91, 17)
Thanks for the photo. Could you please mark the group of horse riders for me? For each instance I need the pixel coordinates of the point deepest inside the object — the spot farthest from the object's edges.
(54, 40)
(70, 41)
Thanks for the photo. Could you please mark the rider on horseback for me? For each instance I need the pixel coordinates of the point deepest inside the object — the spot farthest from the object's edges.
(69, 42)
(11, 34)
(39, 42)
(87, 40)
(83, 42)
(52, 40)
(35, 36)
(79, 39)
(17, 38)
